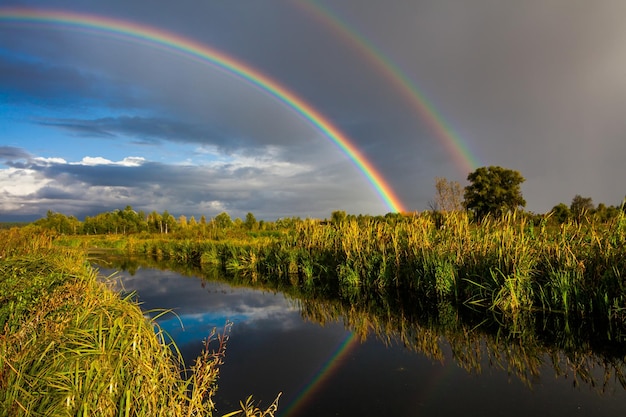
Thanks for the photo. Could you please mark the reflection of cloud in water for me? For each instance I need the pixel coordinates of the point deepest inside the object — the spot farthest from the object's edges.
(191, 327)
(201, 306)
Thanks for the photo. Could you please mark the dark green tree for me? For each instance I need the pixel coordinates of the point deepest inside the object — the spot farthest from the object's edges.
(604, 214)
(250, 222)
(580, 207)
(223, 220)
(338, 216)
(493, 190)
(60, 223)
(560, 213)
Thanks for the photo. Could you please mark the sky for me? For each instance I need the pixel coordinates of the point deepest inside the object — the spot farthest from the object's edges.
(93, 120)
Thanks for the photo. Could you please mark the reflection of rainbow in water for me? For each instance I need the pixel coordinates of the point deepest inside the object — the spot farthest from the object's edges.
(321, 376)
(465, 159)
(188, 47)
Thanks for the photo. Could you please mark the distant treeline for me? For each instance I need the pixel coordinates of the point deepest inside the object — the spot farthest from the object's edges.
(129, 221)
(10, 225)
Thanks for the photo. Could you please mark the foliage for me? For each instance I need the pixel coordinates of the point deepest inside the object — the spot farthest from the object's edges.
(580, 207)
(60, 223)
(338, 216)
(561, 213)
(223, 220)
(493, 190)
(250, 222)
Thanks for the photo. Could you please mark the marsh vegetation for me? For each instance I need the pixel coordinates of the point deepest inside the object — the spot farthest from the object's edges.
(509, 265)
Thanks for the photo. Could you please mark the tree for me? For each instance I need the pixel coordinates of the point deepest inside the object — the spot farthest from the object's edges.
(223, 220)
(250, 221)
(448, 197)
(604, 214)
(338, 216)
(169, 222)
(580, 207)
(493, 190)
(560, 213)
(155, 222)
(60, 223)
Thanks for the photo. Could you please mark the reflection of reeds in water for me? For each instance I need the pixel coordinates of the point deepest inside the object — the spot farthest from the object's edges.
(522, 347)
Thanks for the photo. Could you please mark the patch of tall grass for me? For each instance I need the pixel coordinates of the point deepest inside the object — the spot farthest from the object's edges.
(507, 264)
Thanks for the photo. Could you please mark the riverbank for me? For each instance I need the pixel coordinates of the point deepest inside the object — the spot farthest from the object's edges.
(69, 345)
(509, 265)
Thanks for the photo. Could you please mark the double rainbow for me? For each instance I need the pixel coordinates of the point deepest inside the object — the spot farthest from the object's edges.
(465, 159)
(218, 59)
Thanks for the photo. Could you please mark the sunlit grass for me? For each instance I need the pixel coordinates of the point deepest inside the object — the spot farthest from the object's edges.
(507, 263)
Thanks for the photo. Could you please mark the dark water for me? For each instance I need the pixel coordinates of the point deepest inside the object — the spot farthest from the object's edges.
(311, 352)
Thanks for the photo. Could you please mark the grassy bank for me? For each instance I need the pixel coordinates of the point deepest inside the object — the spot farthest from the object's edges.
(69, 346)
(507, 264)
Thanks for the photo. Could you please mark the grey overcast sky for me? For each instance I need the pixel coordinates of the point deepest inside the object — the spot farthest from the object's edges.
(93, 119)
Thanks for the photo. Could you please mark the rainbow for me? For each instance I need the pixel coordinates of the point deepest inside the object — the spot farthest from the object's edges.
(198, 51)
(462, 155)
(332, 363)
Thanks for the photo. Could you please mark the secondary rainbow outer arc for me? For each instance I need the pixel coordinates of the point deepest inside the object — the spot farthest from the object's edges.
(462, 155)
(224, 62)
(327, 369)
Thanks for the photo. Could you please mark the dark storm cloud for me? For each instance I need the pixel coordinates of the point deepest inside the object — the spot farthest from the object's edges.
(144, 129)
(39, 79)
(88, 128)
(31, 80)
(11, 153)
(53, 193)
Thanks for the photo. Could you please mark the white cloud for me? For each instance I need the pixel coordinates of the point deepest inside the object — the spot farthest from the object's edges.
(132, 161)
(48, 161)
(20, 182)
(270, 161)
(129, 161)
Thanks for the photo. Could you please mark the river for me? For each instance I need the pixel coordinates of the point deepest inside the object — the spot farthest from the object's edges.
(330, 359)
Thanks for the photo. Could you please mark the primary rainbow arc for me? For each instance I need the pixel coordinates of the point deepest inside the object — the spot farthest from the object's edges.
(218, 59)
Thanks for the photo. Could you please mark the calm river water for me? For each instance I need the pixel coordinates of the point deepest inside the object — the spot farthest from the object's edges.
(327, 370)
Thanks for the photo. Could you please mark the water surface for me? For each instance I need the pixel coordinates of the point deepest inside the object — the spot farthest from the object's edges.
(324, 368)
